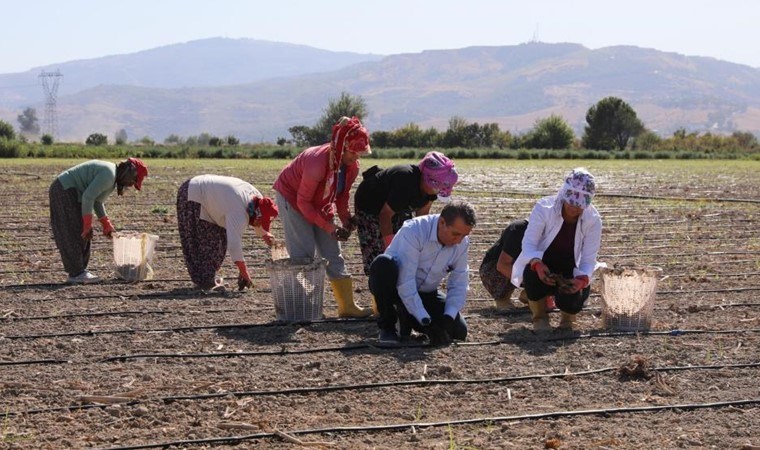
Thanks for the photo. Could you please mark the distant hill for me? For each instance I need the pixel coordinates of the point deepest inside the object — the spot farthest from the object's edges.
(511, 85)
(206, 62)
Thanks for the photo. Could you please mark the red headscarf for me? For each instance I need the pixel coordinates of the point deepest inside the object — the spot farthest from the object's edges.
(264, 209)
(348, 134)
(142, 171)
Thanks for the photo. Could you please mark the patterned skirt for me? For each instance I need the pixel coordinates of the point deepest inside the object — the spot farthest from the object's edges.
(370, 240)
(495, 283)
(66, 224)
(204, 244)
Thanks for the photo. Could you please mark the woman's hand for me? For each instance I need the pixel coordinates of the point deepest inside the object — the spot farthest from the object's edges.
(340, 234)
(542, 271)
(575, 284)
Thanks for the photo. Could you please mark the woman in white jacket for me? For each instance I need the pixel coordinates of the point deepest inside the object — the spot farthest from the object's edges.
(559, 250)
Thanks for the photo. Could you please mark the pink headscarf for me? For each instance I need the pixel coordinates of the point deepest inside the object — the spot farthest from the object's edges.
(439, 172)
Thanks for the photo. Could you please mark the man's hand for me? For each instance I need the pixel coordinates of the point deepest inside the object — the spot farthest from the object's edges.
(447, 323)
(437, 334)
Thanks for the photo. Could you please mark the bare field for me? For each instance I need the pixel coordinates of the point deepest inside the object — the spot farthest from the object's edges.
(157, 365)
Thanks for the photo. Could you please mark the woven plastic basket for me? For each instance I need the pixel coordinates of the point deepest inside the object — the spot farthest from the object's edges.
(628, 295)
(298, 288)
(133, 254)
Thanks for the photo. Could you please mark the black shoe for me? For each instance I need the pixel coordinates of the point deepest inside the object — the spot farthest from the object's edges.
(388, 337)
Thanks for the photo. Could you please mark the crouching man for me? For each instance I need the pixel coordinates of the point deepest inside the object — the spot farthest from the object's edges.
(405, 279)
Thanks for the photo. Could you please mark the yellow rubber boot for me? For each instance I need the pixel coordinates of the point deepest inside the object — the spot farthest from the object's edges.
(566, 323)
(540, 319)
(343, 291)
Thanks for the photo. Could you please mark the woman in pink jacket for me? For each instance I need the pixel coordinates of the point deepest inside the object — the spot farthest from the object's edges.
(309, 192)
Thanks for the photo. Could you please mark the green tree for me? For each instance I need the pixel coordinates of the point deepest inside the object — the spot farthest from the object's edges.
(232, 140)
(46, 139)
(121, 137)
(28, 121)
(173, 139)
(455, 135)
(646, 140)
(552, 132)
(304, 136)
(611, 123)
(346, 105)
(97, 139)
(7, 131)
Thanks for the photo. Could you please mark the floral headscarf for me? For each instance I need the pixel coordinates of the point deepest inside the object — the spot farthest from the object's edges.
(439, 172)
(579, 188)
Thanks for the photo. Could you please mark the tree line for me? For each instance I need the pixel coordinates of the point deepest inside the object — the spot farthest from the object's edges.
(611, 124)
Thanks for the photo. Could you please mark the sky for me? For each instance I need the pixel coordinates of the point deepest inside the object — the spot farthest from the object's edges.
(42, 32)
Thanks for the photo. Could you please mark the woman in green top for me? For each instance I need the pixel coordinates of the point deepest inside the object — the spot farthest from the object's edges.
(75, 195)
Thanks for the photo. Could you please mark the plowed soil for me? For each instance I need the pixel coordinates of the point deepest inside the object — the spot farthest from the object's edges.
(157, 364)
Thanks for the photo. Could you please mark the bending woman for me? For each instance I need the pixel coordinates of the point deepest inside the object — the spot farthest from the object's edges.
(213, 212)
(310, 190)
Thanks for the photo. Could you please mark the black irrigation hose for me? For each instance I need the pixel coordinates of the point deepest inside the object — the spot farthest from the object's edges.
(405, 426)
(476, 301)
(402, 383)
(114, 313)
(361, 346)
(184, 329)
(34, 361)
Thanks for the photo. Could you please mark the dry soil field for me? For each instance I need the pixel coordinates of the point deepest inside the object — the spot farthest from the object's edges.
(156, 364)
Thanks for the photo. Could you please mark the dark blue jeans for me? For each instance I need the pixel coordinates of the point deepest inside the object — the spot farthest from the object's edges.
(536, 290)
(383, 277)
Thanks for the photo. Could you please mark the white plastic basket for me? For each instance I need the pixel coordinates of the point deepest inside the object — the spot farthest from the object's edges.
(628, 295)
(298, 288)
(133, 254)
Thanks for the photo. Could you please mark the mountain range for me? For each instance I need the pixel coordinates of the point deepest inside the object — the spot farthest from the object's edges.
(257, 89)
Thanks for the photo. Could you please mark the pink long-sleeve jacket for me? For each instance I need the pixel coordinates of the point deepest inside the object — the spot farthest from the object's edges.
(304, 184)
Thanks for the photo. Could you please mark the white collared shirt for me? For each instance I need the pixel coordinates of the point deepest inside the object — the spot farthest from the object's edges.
(424, 263)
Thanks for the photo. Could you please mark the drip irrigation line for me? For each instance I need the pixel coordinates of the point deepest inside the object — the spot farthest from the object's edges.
(405, 426)
(34, 361)
(352, 387)
(362, 346)
(363, 386)
(186, 328)
(116, 313)
(511, 312)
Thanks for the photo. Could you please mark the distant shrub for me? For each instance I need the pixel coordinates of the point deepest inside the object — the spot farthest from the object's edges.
(46, 139)
(96, 139)
(9, 148)
(7, 131)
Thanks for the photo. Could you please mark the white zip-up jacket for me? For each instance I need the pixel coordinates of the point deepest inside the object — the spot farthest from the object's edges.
(543, 225)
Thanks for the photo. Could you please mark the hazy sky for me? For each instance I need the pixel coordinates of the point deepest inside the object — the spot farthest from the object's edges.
(41, 32)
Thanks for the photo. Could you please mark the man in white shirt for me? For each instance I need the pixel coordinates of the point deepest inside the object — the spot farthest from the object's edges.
(405, 279)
